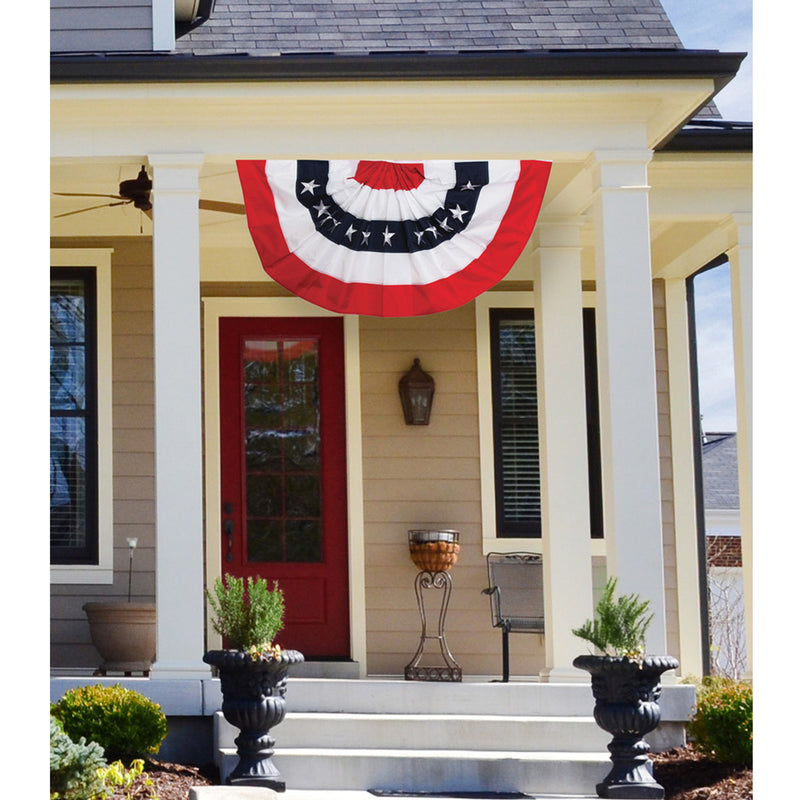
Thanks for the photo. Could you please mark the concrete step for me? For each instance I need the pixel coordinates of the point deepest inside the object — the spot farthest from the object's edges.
(428, 732)
(519, 699)
(435, 771)
(251, 793)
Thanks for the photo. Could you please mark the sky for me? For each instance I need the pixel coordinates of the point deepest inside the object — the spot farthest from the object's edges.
(726, 26)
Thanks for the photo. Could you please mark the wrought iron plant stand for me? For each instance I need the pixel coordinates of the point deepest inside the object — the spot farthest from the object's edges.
(434, 553)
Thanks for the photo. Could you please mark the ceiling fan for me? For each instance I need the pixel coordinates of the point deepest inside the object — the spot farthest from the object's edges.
(137, 191)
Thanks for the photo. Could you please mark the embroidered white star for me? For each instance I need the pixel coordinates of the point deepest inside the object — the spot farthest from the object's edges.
(442, 223)
(365, 234)
(387, 237)
(419, 234)
(321, 208)
(349, 233)
(309, 186)
(432, 230)
(468, 187)
(458, 213)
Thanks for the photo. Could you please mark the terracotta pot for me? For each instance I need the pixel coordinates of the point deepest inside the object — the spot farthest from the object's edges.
(124, 635)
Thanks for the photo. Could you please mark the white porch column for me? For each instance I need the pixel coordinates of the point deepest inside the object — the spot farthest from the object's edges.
(566, 533)
(741, 261)
(178, 421)
(627, 383)
(690, 638)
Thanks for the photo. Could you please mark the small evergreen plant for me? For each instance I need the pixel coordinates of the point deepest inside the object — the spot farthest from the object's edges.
(722, 724)
(125, 723)
(248, 618)
(620, 624)
(76, 768)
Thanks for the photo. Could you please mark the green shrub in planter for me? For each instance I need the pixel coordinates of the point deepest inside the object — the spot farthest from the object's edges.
(125, 723)
(722, 725)
(75, 767)
(248, 617)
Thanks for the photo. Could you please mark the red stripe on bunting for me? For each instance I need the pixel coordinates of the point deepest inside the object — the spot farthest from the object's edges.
(392, 300)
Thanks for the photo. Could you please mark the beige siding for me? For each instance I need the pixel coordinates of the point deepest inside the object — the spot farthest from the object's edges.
(667, 503)
(426, 477)
(132, 349)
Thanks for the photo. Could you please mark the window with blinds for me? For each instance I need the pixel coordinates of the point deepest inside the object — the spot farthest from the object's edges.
(73, 417)
(516, 426)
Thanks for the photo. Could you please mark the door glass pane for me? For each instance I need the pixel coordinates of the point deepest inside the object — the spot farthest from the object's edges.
(281, 419)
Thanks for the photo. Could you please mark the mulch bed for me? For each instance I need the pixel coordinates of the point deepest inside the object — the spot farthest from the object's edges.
(169, 782)
(684, 774)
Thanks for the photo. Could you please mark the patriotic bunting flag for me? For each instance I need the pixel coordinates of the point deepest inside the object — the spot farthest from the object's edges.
(391, 239)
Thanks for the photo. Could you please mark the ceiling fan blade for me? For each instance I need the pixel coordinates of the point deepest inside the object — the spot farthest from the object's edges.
(225, 208)
(91, 208)
(86, 194)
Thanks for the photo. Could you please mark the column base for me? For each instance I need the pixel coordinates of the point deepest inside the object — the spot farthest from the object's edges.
(180, 670)
(562, 675)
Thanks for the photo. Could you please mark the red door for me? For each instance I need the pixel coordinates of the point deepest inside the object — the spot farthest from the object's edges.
(284, 509)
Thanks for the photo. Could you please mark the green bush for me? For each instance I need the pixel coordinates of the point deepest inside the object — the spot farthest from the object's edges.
(620, 624)
(722, 724)
(76, 768)
(250, 619)
(125, 723)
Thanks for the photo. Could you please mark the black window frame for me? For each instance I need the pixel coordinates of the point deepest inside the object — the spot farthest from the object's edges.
(532, 527)
(88, 552)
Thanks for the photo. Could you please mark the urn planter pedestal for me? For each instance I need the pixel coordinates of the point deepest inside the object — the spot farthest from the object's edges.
(253, 700)
(626, 697)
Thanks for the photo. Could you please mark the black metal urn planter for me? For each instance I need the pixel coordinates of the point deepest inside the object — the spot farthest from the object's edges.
(626, 695)
(253, 700)
(626, 685)
(253, 673)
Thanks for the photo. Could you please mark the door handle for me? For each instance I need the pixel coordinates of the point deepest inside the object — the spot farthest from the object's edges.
(228, 528)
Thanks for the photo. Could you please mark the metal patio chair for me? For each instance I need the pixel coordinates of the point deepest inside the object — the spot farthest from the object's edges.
(516, 594)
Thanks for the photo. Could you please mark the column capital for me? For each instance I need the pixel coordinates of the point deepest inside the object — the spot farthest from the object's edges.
(742, 222)
(560, 231)
(176, 172)
(620, 169)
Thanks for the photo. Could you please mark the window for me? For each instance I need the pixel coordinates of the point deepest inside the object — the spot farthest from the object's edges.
(81, 441)
(516, 426)
(73, 417)
(511, 413)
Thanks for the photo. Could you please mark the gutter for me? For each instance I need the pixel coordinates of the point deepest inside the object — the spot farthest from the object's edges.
(711, 136)
(474, 65)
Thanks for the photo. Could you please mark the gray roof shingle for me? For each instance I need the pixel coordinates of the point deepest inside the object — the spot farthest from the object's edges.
(720, 471)
(268, 27)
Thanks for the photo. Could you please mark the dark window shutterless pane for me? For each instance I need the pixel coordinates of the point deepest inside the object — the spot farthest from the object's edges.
(303, 541)
(264, 540)
(263, 449)
(73, 417)
(264, 495)
(302, 496)
(516, 437)
(68, 510)
(516, 425)
(281, 413)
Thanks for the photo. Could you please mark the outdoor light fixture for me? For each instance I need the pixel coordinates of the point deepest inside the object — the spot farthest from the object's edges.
(416, 394)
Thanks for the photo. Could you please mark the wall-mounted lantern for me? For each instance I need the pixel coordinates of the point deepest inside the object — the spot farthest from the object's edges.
(416, 394)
